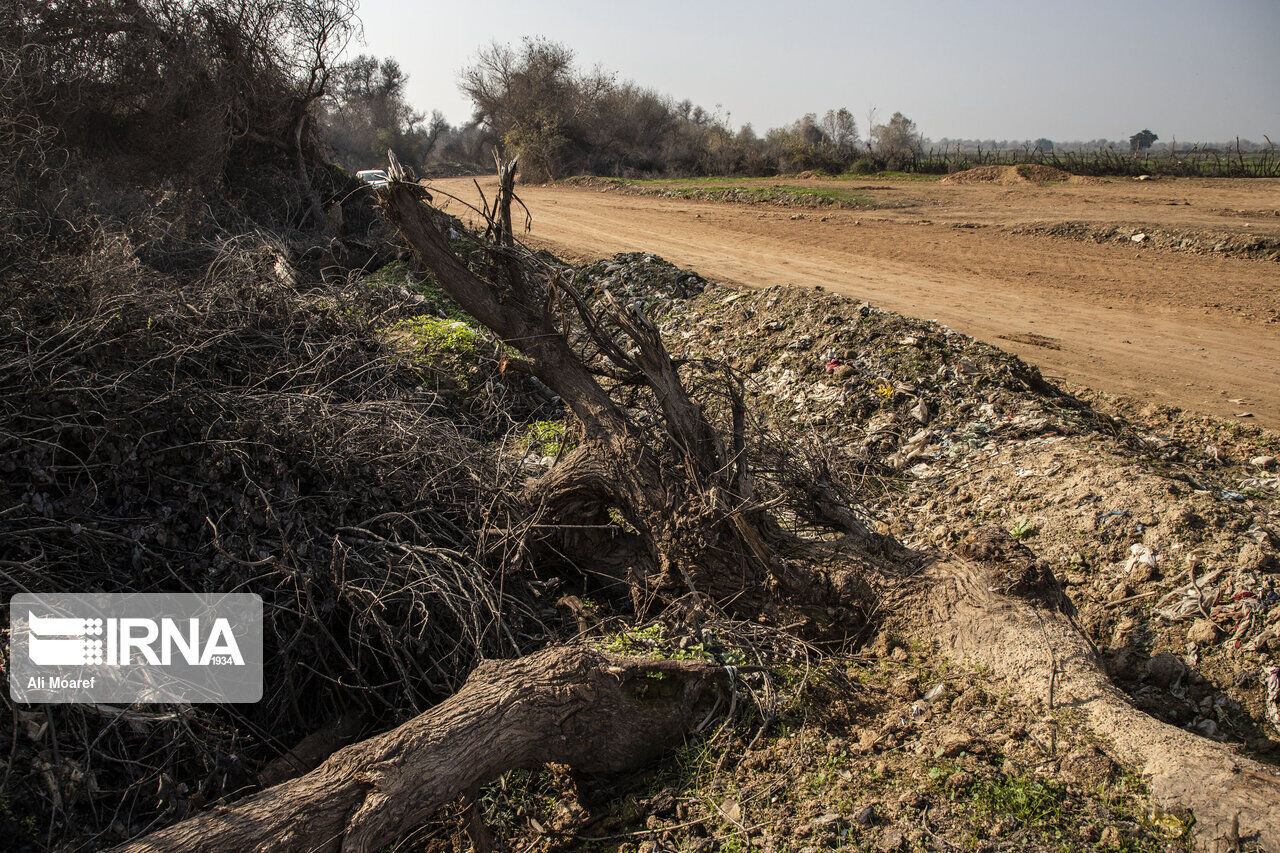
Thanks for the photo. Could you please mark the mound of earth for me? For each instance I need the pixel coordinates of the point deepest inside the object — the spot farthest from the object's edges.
(1165, 525)
(1193, 241)
(1020, 174)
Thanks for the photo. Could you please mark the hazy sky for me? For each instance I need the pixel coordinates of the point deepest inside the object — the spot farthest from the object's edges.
(1194, 69)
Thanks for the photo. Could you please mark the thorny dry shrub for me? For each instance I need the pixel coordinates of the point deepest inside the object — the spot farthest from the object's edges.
(215, 94)
(25, 151)
(176, 122)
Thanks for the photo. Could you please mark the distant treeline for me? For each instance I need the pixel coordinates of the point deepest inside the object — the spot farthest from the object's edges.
(532, 101)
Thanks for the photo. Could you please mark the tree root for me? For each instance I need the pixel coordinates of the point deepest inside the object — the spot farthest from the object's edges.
(1026, 636)
(594, 712)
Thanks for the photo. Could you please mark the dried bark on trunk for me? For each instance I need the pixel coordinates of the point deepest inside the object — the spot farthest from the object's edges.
(594, 712)
(690, 498)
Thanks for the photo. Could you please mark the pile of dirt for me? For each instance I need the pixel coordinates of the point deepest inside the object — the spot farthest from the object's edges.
(1165, 528)
(831, 360)
(1238, 245)
(1041, 174)
(1020, 174)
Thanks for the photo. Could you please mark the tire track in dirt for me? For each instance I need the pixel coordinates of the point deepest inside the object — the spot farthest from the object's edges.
(1195, 331)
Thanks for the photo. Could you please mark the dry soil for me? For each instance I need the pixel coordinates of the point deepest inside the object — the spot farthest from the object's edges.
(1196, 329)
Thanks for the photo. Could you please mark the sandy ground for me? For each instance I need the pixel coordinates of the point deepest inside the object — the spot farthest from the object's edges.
(1198, 331)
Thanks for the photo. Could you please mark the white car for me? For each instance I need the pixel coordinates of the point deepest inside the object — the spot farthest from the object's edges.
(373, 177)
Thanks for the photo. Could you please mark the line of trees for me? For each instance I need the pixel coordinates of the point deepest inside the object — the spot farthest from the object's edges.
(533, 101)
(367, 112)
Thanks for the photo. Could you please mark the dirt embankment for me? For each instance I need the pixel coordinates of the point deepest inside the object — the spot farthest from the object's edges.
(1197, 331)
(1022, 174)
(1196, 242)
(1165, 526)
(777, 195)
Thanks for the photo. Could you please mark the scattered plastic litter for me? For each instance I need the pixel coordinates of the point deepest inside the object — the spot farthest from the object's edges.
(972, 430)
(1140, 555)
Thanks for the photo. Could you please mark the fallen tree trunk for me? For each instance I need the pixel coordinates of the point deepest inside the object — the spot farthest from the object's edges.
(674, 478)
(594, 712)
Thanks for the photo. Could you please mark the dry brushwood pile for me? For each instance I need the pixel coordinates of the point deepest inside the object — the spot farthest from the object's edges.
(239, 427)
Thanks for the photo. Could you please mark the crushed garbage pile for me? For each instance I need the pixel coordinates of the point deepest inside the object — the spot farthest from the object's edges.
(1166, 543)
(1241, 245)
(815, 358)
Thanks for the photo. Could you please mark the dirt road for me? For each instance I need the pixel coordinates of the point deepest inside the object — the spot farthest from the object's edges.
(1198, 331)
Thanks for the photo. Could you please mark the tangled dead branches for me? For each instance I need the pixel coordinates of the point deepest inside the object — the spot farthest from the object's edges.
(242, 432)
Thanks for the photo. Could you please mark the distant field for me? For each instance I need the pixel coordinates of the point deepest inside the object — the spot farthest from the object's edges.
(1193, 162)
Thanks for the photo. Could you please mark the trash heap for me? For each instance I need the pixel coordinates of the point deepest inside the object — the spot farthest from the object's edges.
(1166, 542)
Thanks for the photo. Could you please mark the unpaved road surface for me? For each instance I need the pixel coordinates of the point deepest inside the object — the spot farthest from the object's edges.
(1201, 331)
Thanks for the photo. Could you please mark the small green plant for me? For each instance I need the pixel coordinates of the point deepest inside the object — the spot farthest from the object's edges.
(1031, 802)
(617, 519)
(14, 827)
(546, 438)
(393, 274)
(1021, 527)
(636, 641)
(651, 641)
(432, 334)
(397, 274)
